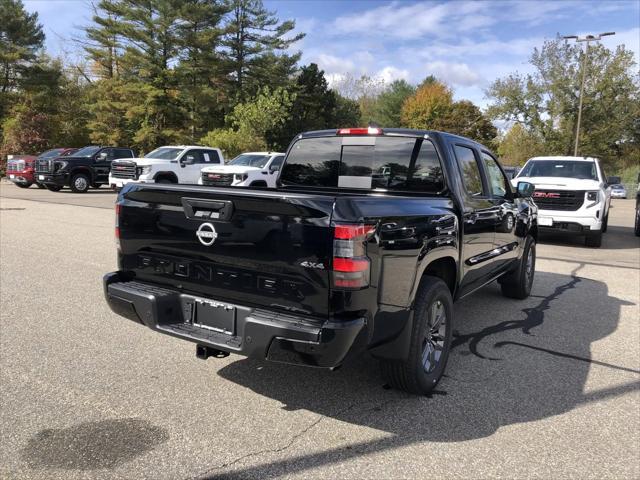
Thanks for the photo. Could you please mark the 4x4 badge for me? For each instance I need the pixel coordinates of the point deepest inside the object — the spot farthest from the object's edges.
(207, 234)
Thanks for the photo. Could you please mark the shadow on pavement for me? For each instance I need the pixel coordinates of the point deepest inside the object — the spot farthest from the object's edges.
(93, 445)
(512, 362)
(616, 238)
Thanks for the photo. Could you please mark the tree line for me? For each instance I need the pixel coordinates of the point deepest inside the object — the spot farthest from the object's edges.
(227, 73)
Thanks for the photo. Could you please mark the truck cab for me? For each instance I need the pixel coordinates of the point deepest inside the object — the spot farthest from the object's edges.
(168, 164)
(572, 194)
(251, 169)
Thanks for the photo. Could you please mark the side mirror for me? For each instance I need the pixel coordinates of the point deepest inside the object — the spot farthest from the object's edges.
(102, 156)
(189, 160)
(525, 189)
(274, 168)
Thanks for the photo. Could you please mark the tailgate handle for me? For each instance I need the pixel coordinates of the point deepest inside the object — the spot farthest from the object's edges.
(199, 209)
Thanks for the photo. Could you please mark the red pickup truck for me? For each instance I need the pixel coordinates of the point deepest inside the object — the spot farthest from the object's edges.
(21, 168)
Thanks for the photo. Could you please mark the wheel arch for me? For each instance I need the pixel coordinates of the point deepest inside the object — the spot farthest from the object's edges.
(166, 174)
(81, 169)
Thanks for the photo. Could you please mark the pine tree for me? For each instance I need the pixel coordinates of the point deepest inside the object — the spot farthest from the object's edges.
(255, 47)
(21, 37)
(200, 72)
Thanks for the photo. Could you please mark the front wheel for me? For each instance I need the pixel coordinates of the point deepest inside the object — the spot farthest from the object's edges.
(80, 183)
(24, 185)
(430, 341)
(605, 223)
(637, 225)
(53, 188)
(518, 283)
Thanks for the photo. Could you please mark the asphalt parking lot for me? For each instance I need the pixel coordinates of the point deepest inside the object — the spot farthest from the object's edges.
(548, 387)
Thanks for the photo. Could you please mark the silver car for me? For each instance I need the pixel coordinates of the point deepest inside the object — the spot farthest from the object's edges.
(618, 191)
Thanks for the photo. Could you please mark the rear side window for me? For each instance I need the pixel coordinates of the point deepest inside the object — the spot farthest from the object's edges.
(123, 153)
(389, 163)
(470, 170)
(210, 156)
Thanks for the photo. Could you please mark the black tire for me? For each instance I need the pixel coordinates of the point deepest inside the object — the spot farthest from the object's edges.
(637, 224)
(430, 341)
(517, 284)
(40, 185)
(53, 188)
(23, 185)
(593, 240)
(164, 180)
(605, 223)
(96, 185)
(80, 183)
(258, 183)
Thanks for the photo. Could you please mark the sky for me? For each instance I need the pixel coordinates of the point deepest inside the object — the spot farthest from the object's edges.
(467, 44)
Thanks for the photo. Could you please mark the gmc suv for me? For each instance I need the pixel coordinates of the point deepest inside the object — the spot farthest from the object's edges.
(88, 167)
(572, 195)
(365, 243)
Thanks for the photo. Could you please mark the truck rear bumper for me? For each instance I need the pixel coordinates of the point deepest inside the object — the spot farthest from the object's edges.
(232, 328)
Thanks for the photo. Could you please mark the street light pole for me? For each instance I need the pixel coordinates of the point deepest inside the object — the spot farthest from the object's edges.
(587, 39)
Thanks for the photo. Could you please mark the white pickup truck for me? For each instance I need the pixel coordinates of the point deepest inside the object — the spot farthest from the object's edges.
(170, 164)
(571, 193)
(251, 169)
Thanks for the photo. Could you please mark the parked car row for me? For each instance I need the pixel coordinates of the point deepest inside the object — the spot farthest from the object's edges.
(21, 169)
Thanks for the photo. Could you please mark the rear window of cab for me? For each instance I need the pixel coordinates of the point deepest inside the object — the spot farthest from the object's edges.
(364, 162)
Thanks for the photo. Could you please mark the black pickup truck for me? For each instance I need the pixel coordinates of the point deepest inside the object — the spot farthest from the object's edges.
(364, 245)
(88, 167)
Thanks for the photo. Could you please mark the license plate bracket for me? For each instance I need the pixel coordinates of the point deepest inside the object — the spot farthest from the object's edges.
(217, 316)
(40, 177)
(545, 221)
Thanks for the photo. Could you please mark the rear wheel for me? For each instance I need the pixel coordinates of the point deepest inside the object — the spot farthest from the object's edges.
(164, 180)
(430, 341)
(53, 188)
(518, 283)
(593, 240)
(24, 185)
(80, 183)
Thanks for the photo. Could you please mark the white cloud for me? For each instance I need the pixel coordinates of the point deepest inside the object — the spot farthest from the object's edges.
(453, 73)
(389, 74)
(331, 64)
(405, 21)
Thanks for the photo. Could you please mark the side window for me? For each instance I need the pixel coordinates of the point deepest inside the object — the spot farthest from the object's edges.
(109, 152)
(426, 174)
(277, 162)
(470, 170)
(123, 153)
(497, 182)
(210, 156)
(197, 156)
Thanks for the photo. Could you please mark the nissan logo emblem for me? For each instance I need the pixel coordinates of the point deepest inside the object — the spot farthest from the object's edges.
(207, 234)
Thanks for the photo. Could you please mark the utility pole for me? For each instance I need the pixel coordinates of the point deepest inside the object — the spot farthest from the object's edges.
(587, 39)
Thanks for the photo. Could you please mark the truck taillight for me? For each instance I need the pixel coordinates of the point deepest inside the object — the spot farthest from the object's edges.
(118, 209)
(350, 267)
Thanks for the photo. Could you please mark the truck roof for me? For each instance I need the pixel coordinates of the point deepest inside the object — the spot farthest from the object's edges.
(562, 157)
(188, 146)
(394, 131)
